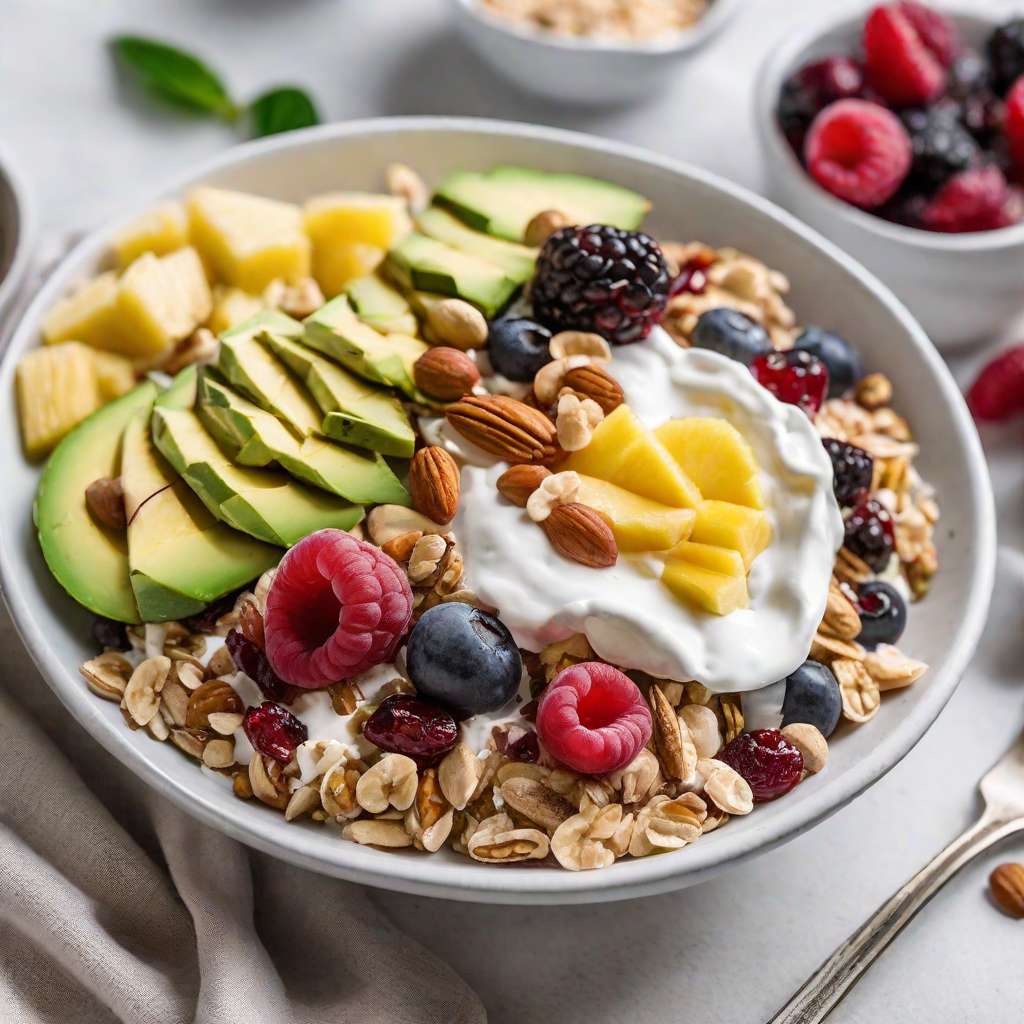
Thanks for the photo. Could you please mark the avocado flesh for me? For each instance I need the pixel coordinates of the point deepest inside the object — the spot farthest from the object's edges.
(380, 306)
(180, 557)
(419, 263)
(503, 202)
(354, 412)
(336, 331)
(518, 261)
(89, 560)
(253, 437)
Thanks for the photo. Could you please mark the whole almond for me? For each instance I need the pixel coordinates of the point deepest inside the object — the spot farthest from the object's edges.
(434, 482)
(445, 374)
(1007, 886)
(105, 498)
(593, 382)
(517, 483)
(579, 533)
(505, 428)
(214, 697)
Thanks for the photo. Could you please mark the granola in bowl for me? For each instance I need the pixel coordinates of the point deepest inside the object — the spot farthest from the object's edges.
(484, 552)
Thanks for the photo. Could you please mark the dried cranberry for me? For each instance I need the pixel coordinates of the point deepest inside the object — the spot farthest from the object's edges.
(254, 663)
(206, 620)
(404, 724)
(771, 765)
(274, 731)
(693, 276)
(109, 633)
(870, 534)
(795, 377)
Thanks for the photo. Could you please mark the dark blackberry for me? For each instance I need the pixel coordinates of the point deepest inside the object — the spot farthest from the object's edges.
(969, 75)
(942, 147)
(601, 279)
(870, 534)
(852, 468)
(807, 92)
(1006, 55)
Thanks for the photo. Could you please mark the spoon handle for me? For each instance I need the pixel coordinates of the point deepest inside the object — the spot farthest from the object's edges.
(821, 993)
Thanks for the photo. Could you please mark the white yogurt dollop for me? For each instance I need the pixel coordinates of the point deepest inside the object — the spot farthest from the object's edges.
(629, 618)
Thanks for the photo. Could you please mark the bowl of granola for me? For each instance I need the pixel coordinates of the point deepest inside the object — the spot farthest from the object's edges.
(465, 539)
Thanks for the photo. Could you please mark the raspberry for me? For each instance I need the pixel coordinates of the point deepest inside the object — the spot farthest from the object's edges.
(852, 469)
(858, 151)
(593, 718)
(274, 731)
(404, 724)
(898, 64)
(337, 607)
(770, 764)
(977, 199)
(870, 534)
(998, 393)
(941, 146)
(795, 377)
(602, 280)
(937, 32)
(806, 93)
(1013, 125)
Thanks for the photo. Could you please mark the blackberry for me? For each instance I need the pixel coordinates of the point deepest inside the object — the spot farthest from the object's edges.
(870, 534)
(601, 279)
(807, 92)
(970, 74)
(852, 468)
(941, 146)
(1006, 54)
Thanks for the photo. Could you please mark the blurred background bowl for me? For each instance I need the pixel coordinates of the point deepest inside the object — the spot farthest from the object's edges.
(17, 230)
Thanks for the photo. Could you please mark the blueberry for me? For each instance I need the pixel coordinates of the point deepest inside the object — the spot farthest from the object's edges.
(518, 348)
(844, 365)
(111, 634)
(732, 334)
(812, 696)
(883, 613)
(464, 659)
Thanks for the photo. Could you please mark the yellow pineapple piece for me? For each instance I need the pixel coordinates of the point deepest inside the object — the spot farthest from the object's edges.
(716, 456)
(624, 452)
(160, 230)
(712, 591)
(115, 375)
(88, 314)
(335, 265)
(56, 388)
(726, 525)
(639, 524)
(709, 556)
(231, 307)
(248, 240)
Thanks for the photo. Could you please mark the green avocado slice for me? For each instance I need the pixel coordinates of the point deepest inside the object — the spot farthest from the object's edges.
(518, 261)
(89, 560)
(380, 306)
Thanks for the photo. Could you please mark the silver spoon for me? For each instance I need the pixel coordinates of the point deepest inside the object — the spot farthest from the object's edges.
(1003, 792)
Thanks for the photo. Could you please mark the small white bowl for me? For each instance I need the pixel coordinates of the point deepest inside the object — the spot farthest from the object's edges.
(583, 70)
(961, 288)
(17, 231)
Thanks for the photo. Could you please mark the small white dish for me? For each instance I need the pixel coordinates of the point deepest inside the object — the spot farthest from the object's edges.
(583, 70)
(961, 288)
(829, 289)
(17, 230)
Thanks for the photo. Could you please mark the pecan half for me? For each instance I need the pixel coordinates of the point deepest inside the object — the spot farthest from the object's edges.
(505, 428)
(597, 384)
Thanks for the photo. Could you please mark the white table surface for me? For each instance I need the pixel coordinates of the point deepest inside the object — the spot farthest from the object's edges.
(733, 949)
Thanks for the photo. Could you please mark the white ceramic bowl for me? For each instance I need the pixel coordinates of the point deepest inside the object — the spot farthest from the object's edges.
(961, 288)
(17, 230)
(579, 70)
(828, 289)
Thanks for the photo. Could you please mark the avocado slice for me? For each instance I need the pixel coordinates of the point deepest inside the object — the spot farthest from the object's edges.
(354, 412)
(254, 370)
(268, 505)
(336, 331)
(89, 560)
(419, 263)
(518, 261)
(180, 557)
(253, 437)
(382, 307)
(503, 202)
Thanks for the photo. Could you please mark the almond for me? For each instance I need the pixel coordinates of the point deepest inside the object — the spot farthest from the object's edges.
(1007, 886)
(445, 374)
(518, 482)
(434, 482)
(214, 697)
(505, 428)
(105, 498)
(580, 534)
(596, 384)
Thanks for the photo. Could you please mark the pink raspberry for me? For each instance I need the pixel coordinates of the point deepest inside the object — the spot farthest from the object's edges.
(593, 718)
(858, 151)
(977, 199)
(998, 393)
(898, 63)
(337, 607)
(935, 30)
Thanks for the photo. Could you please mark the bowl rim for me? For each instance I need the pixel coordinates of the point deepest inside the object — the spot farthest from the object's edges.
(718, 13)
(774, 68)
(14, 179)
(424, 876)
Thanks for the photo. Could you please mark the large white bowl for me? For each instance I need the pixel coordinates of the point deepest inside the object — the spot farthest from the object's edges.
(17, 231)
(961, 288)
(828, 289)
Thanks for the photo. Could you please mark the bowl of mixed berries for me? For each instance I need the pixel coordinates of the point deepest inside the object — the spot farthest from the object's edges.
(900, 136)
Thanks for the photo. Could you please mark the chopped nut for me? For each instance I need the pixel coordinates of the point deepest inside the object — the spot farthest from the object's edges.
(391, 781)
(225, 724)
(891, 669)
(1006, 884)
(216, 696)
(702, 724)
(389, 834)
(536, 801)
(851, 569)
(345, 697)
(219, 753)
(676, 750)
(841, 617)
(400, 548)
(458, 324)
(201, 346)
(860, 692)
(576, 421)
(338, 791)
(190, 741)
(874, 391)
(543, 226)
(554, 490)
(220, 664)
(729, 709)
(811, 744)
(404, 182)
(269, 783)
(726, 788)
(299, 300)
(174, 699)
(427, 552)
(550, 377)
(242, 787)
(666, 824)
(826, 649)
(142, 694)
(580, 343)
(107, 675)
(304, 800)
(386, 522)
(458, 775)
(497, 840)
(433, 838)
(636, 779)
(157, 728)
(593, 838)
(517, 483)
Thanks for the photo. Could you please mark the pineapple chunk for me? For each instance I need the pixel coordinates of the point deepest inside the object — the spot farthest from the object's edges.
(160, 230)
(231, 307)
(335, 265)
(714, 592)
(639, 524)
(88, 315)
(623, 452)
(717, 457)
(708, 556)
(247, 240)
(745, 530)
(115, 375)
(56, 388)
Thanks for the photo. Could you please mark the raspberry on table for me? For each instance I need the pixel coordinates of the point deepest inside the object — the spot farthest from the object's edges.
(998, 393)
(978, 199)
(898, 63)
(771, 765)
(274, 731)
(859, 152)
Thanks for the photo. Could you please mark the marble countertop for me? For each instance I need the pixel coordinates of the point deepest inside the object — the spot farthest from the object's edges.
(733, 949)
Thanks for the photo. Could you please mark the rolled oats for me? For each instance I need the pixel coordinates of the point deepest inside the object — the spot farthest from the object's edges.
(391, 781)
(497, 841)
(372, 832)
(667, 824)
(304, 800)
(891, 669)
(593, 838)
(142, 693)
(107, 675)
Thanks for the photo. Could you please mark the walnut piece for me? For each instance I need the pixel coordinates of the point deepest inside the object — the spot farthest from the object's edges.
(555, 490)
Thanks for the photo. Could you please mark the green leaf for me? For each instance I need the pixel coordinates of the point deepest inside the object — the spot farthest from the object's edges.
(176, 76)
(282, 110)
